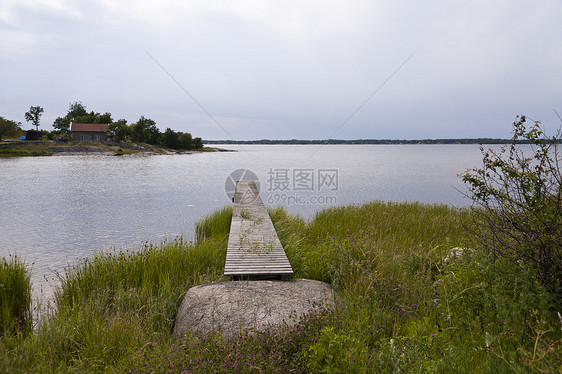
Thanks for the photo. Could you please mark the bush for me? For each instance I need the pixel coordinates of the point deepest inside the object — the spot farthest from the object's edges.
(518, 205)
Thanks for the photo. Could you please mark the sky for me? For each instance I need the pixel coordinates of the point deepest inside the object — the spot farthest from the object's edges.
(304, 69)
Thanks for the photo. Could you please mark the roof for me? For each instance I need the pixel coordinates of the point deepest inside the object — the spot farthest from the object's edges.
(89, 127)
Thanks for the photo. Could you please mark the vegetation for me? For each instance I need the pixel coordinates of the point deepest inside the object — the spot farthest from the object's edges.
(519, 192)
(365, 141)
(114, 306)
(41, 148)
(15, 298)
(9, 128)
(406, 302)
(34, 116)
(77, 113)
(143, 131)
(22, 152)
(118, 131)
(22, 149)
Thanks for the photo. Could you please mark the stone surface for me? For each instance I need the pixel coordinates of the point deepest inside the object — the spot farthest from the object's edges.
(259, 305)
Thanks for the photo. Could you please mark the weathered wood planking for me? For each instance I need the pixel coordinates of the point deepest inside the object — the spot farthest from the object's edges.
(254, 250)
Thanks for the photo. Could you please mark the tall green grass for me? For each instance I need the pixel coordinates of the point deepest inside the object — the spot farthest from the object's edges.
(403, 308)
(404, 303)
(341, 244)
(110, 306)
(209, 226)
(15, 297)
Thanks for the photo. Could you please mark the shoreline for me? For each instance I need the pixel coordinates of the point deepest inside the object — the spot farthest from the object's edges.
(54, 148)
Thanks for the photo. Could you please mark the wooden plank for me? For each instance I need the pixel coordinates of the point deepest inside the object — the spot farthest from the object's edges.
(253, 248)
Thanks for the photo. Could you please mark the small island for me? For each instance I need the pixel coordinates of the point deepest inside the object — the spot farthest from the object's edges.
(83, 132)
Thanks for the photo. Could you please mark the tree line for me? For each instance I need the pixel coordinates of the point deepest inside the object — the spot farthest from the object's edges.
(367, 141)
(9, 128)
(142, 131)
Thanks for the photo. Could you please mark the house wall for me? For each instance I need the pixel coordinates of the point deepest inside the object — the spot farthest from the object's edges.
(89, 136)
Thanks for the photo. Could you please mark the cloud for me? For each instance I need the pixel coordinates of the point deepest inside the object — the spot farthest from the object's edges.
(288, 68)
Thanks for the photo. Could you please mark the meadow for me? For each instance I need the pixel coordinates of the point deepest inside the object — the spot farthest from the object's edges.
(406, 301)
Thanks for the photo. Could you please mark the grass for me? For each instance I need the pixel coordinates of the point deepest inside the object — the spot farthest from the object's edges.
(24, 151)
(120, 152)
(112, 305)
(15, 297)
(400, 306)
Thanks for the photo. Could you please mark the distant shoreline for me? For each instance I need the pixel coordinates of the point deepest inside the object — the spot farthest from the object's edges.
(363, 141)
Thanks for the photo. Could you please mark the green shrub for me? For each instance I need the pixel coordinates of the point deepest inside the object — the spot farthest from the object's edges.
(338, 353)
(518, 199)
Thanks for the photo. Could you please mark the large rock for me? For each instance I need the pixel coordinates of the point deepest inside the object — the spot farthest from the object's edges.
(258, 305)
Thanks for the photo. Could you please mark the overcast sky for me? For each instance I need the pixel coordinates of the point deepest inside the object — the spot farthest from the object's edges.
(255, 69)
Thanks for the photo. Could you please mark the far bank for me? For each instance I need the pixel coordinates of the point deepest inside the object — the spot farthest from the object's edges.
(105, 148)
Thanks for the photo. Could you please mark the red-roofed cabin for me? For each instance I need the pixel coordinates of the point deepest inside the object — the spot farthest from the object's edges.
(88, 132)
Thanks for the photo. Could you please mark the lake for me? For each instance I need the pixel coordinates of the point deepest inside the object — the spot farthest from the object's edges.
(57, 210)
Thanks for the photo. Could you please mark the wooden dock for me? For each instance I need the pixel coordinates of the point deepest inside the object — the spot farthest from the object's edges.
(254, 250)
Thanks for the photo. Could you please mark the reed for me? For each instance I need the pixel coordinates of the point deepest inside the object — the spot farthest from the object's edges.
(110, 305)
(15, 297)
(376, 236)
(214, 223)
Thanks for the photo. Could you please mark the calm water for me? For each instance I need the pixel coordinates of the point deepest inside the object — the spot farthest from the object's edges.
(57, 210)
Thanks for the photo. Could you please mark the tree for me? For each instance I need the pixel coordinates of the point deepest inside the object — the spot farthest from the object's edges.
(179, 140)
(103, 118)
(169, 138)
(185, 140)
(144, 131)
(118, 131)
(62, 124)
(94, 117)
(34, 115)
(197, 143)
(9, 128)
(76, 109)
(77, 113)
(518, 201)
